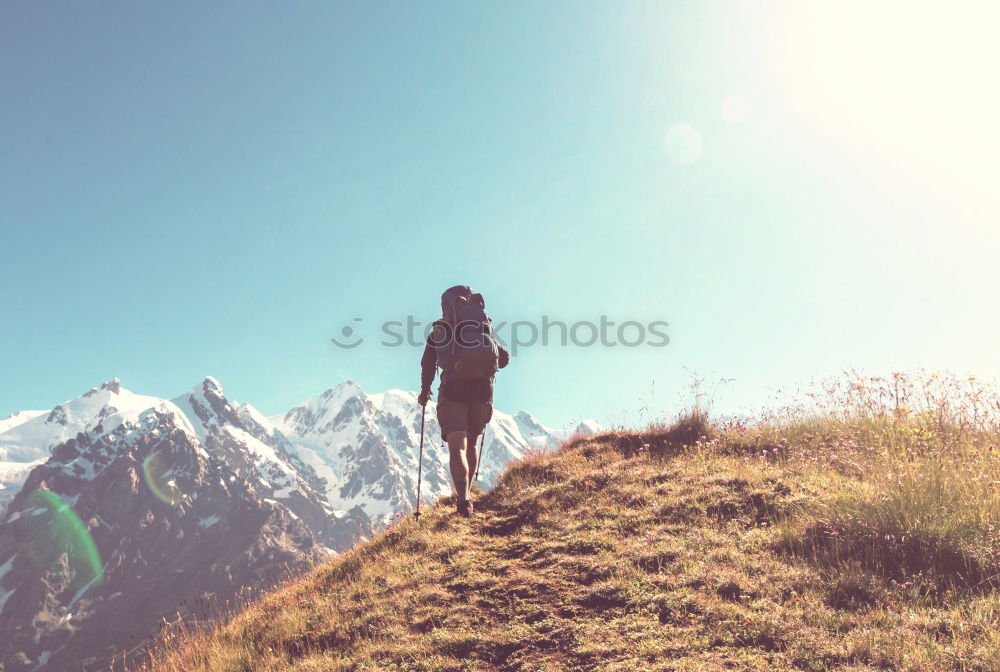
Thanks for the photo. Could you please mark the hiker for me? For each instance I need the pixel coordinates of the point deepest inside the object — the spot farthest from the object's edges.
(462, 344)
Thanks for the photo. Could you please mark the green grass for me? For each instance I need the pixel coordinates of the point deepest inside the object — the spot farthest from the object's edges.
(855, 536)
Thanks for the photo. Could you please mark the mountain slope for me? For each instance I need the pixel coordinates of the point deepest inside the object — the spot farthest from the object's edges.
(27, 438)
(19, 418)
(116, 527)
(126, 509)
(687, 548)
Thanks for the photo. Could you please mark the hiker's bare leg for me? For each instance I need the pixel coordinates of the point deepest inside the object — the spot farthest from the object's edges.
(458, 464)
(472, 457)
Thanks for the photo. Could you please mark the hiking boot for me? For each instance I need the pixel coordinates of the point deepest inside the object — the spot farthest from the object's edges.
(465, 508)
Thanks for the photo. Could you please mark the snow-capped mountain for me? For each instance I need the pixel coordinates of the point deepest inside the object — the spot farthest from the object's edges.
(116, 528)
(588, 426)
(366, 447)
(15, 419)
(27, 438)
(119, 505)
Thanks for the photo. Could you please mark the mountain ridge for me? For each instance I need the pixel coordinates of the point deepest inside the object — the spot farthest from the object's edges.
(27, 437)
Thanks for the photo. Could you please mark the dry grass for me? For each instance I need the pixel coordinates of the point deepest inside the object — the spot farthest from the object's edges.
(860, 536)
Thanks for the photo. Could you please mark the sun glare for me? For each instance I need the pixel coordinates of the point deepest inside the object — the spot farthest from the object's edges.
(735, 109)
(909, 84)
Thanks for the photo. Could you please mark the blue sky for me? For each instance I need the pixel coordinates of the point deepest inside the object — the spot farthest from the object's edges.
(193, 189)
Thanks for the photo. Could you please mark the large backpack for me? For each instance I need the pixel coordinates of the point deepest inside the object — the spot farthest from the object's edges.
(465, 345)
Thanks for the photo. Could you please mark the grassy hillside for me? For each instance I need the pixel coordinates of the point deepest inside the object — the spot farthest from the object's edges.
(855, 533)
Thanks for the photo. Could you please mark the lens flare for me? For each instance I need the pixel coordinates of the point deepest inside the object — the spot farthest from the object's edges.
(66, 537)
(158, 474)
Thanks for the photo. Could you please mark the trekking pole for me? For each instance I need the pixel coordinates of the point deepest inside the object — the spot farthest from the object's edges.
(420, 464)
(479, 462)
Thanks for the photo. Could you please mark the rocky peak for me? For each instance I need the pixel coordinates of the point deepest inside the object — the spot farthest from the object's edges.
(525, 418)
(114, 386)
(57, 415)
(210, 387)
(588, 426)
(342, 391)
(207, 400)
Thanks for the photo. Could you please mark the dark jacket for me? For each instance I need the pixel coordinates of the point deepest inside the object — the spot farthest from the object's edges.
(456, 390)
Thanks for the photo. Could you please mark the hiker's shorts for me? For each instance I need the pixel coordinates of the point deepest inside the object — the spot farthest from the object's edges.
(463, 416)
